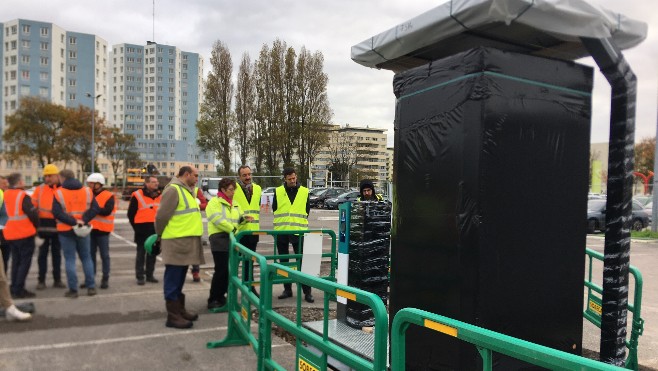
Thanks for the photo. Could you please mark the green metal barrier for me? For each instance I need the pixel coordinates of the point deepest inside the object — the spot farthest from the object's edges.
(239, 312)
(486, 342)
(306, 360)
(594, 308)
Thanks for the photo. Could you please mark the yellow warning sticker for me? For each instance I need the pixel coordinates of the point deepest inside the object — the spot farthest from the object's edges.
(441, 328)
(345, 294)
(244, 313)
(595, 307)
(281, 272)
(305, 366)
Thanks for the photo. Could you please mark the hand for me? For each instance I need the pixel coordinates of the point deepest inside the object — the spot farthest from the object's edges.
(79, 222)
(248, 218)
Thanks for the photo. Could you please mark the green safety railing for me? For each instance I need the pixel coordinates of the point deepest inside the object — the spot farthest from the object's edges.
(295, 259)
(486, 341)
(307, 360)
(595, 307)
(239, 312)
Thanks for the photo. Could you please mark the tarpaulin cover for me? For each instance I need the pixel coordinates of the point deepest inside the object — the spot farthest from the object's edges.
(551, 28)
(489, 226)
(370, 227)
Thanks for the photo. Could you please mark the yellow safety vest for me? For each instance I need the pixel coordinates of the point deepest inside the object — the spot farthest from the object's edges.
(186, 221)
(222, 217)
(289, 217)
(249, 208)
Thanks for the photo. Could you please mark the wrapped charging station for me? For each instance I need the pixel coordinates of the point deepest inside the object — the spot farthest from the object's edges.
(491, 145)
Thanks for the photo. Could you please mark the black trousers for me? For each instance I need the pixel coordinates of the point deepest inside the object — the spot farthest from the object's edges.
(250, 242)
(219, 284)
(144, 263)
(282, 248)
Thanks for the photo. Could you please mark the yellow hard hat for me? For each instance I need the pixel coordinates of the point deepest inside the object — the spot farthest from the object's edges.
(50, 169)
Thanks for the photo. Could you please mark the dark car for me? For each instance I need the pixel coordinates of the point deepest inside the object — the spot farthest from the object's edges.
(317, 200)
(332, 203)
(596, 216)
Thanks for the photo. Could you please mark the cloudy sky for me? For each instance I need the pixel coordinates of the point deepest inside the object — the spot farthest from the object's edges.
(358, 95)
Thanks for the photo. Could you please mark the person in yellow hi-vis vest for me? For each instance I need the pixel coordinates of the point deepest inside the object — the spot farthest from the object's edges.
(247, 196)
(291, 209)
(179, 225)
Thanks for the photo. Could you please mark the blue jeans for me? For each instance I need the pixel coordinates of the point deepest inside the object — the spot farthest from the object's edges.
(101, 242)
(80, 245)
(50, 243)
(21, 260)
(174, 279)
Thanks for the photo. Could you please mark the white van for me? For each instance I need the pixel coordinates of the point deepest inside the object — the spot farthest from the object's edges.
(210, 187)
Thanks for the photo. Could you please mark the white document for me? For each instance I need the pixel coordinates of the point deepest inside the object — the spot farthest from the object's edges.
(312, 256)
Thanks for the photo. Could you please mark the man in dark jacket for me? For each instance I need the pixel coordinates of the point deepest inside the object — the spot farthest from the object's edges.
(367, 189)
(102, 225)
(143, 205)
(75, 206)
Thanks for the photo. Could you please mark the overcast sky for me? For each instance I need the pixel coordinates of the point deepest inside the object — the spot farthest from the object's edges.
(358, 95)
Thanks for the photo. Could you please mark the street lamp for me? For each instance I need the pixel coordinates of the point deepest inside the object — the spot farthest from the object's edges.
(93, 137)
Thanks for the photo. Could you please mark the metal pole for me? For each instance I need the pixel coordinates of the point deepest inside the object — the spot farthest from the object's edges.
(93, 125)
(654, 209)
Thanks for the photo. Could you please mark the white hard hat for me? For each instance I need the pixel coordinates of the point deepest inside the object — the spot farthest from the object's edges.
(96, 178)
(82, 230)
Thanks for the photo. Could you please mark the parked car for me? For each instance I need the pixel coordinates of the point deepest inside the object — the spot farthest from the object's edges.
(644, 200)
(269, 191)
(317, 200)
(596, 216)
(332, 203)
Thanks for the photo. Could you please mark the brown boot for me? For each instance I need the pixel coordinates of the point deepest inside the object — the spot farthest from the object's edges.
(174, 318)
(190, 316)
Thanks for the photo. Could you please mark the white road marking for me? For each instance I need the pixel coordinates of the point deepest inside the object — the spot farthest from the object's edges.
(328, 218)
(130, 243)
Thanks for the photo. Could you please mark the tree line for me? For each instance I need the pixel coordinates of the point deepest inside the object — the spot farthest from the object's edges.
(281, 112)
(47, 133)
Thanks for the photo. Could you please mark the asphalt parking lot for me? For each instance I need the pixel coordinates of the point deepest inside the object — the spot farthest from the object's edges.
(123, 327)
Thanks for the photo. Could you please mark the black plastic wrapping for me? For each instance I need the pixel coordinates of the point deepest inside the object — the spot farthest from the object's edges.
(491, 173)
(370, 227)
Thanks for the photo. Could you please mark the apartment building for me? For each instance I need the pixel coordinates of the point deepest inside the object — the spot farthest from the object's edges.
(42, 59)
(363, 147)
(156, 92)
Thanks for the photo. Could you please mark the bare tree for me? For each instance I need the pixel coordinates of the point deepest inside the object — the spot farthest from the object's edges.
(343, 154)
(118, 148)
(216, 126)
(314, 112)
(244, 110)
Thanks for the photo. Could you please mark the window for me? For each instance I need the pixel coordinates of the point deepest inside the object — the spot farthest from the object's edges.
(44, 31)
(26, 29)
(44, 61)
(25, 75)
(72, 68)
(25, 59)
(43, 76)
(14, 29)
(72, 40)
(71, 82)
(43, 92)
(44, 45)
(73, 54)
(25, 44)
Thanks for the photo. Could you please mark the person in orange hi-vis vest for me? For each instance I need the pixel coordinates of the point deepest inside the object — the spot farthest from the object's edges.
(6, 252)
(74, 207)
(141, 215)
(102, 225)
(42, 199)
(19, 233)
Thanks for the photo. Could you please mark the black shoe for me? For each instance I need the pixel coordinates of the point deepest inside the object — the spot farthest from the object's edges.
(152, 280)
(286, 294)
(28, 294)
(216, 304)
(59, 285)
(309, 298)
(140, 282)
(104, 284)
(83, 286)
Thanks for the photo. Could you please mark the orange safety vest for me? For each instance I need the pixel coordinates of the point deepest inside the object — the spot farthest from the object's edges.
(42, 198)
(104, 223)
(146, 207)
(74, 202)
(18, 225)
